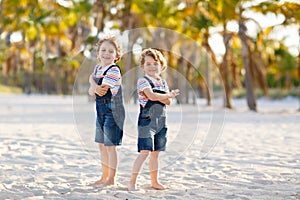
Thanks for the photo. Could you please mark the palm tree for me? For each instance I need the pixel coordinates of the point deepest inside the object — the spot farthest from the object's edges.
(251, 101)
(290, 10)
(210, 13)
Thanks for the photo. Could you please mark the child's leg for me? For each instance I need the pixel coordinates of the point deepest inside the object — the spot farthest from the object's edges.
(104, 164)
(112, 165)
(153, 167)
(136, 169)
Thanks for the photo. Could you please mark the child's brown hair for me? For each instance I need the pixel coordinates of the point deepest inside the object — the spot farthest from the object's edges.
(156, 55)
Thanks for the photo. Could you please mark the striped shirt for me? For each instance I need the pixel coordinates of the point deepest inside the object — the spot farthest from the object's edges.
(112, 78)
(143, 83)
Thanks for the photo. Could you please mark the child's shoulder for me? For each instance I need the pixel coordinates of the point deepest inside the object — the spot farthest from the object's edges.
(96, 66)
(142, 81)
(142, 78)
(114, 68)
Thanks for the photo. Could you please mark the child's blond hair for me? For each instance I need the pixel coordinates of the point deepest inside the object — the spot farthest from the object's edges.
(113, 40)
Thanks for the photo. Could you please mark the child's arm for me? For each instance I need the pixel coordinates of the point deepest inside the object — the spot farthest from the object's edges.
(93, 85)
(101, 90)
(110, 80)
(167, 101)
(164, 98)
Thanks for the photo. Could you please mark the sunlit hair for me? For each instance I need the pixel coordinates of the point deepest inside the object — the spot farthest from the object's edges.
(112, 40)
(156, 55)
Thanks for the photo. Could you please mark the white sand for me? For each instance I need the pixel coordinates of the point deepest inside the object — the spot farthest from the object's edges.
(46, 155)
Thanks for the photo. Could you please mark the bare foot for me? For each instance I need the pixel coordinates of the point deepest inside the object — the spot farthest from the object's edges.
(159, 186)
(106, 183)
(99, 182)
(131, 187)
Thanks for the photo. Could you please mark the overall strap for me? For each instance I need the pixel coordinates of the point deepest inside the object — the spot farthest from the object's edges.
(118, 96)
(104, 73)
(154, 90)
(99, 81)
(152, 86)
(164, 83)
(95, 69)
(151, 83)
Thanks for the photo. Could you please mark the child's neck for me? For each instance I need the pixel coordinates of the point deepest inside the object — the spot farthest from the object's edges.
(156, 77)
(106, 65)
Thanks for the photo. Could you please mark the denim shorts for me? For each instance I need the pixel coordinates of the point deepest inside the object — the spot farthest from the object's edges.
(108, 131)
(152, 132)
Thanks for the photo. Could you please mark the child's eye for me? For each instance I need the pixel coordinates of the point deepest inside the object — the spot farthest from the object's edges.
(111, 51)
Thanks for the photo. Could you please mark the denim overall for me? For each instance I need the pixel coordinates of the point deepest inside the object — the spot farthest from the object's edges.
(152, 128)
(110, 115)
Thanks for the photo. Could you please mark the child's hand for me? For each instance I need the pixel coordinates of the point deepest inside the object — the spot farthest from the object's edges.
(142, 93)
(174, 93)
(101, 90)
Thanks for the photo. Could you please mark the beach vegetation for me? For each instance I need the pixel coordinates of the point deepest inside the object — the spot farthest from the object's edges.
(229, 45)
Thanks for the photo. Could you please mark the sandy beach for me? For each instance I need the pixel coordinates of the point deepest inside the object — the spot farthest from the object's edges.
(47, 151)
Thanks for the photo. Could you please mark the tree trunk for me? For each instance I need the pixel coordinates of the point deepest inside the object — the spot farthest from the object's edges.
(129, 81)
(299, 68)
(245, 55)
(225, 70)
(209, 88)
(194, 63)
(127, 18)
(130, 71)
(213, 60)
(187, 73)
(65, 82)
(235, 75)
(100, 13)
(299, 72)
(260, 71)
(181, 86)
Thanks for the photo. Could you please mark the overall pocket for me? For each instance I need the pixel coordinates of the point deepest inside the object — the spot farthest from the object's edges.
(145, 114)
(144, 118)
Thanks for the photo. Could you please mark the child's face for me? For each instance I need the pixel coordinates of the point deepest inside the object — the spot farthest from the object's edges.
(107, 53)
(151, 67)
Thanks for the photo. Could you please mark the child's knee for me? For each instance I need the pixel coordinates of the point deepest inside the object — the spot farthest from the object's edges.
(154, 154)
(102, 147)
(144, 154)
(111, 148)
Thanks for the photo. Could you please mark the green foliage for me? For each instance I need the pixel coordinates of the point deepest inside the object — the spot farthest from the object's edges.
(53, 33)
(274, 93)
(200, 22)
